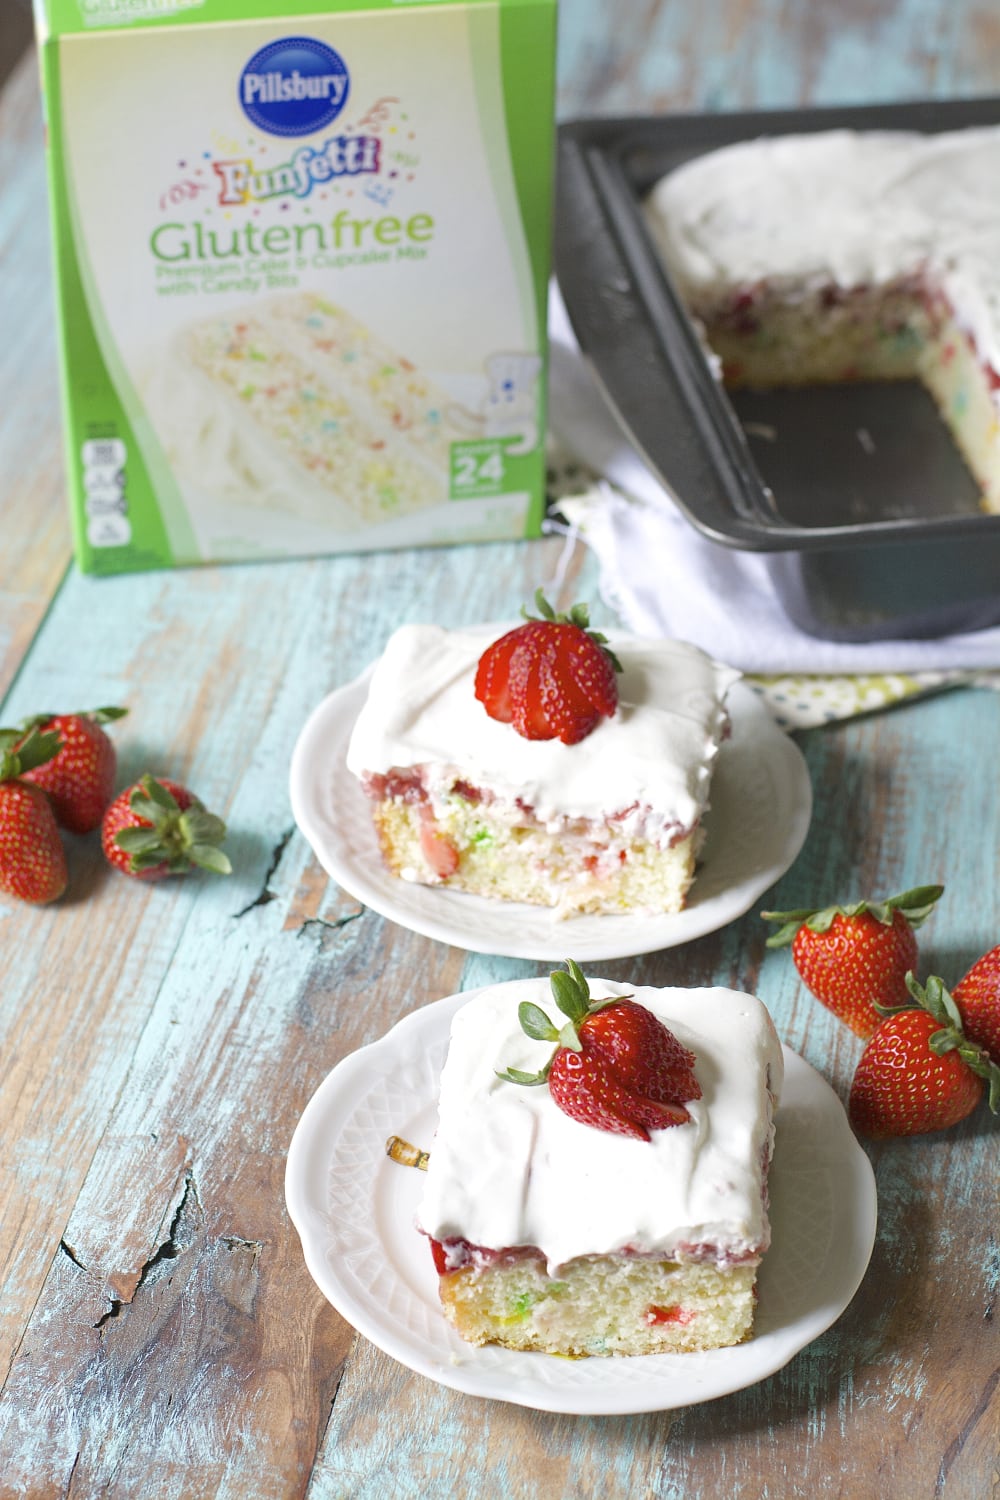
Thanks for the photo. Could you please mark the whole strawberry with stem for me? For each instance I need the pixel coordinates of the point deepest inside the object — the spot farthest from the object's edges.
(550, 678)
(856, 958)
(919, 1071)
(32, 858)
(80, 779)
(157, 828)
(615, 1066)
(977, 995)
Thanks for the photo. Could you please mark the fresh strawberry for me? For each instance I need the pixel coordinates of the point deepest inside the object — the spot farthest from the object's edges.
(32, 859)
(919, 1072)
(157, 827)
(80, 779)
(616, 1066)
(856, 958)
(551, 678)
(977, 996)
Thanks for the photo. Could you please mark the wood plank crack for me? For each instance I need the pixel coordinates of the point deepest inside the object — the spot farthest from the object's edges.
(266, 895)
(181, 1235)
(955, 1447)
(68, 1250)
(328, 924)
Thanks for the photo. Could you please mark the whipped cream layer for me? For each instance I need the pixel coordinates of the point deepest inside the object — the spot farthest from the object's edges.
(657, 752)
(841, 207)
(508, 1168)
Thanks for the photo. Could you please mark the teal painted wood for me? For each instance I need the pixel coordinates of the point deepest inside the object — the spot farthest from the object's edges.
(157, 1046)
(726, 55)
(206, 1030)
(274, 1008)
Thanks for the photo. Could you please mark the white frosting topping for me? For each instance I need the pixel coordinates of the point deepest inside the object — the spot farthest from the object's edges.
(507, 1167)
(657, 751)
(842, 207)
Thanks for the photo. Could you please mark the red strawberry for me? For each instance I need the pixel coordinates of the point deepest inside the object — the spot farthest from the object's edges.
(977, 996)
(856, 958)
(637, 1046)
(80, 779)
(588, 1090)
(551, 678)
(32, 859)
(919, 1072)
(617, 1067)
(157, 827)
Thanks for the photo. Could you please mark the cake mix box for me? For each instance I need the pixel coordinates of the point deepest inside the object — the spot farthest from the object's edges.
(301, 260)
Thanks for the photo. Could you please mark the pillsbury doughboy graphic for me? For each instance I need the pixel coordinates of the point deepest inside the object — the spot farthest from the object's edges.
(511, 408)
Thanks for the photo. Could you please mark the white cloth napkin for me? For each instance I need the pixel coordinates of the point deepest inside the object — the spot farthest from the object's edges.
(664, 578)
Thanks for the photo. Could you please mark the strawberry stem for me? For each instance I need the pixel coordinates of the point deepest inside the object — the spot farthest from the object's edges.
(177, 839)
(935, 998)
(95, 715)
(572, 995)
(916, 906)
(578, 615)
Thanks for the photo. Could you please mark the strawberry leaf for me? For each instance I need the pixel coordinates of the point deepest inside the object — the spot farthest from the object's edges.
(543, 606)
(935, 998)
(135, 840)
(34, 750)
(571, 992)
(609, 1000)
(915, 905)
(945, 1040)
(784, 935)
(155, 792)
(529, 1080)
(146, 808)
(95, 715)
(203, 827)
(208, 857)
(146, 859)
(568, 1037)
(535, 1023)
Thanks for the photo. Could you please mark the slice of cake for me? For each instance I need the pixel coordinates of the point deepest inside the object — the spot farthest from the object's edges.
(844, 256)
(565, 1234)
(292, 393)
(611, 822)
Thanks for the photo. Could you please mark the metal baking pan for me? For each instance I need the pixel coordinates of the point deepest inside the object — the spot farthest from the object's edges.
(856, 494)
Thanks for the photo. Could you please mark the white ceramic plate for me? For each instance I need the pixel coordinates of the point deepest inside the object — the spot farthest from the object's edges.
(354, 1211)
(761, 805)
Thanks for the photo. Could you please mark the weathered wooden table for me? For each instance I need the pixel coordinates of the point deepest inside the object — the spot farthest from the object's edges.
(160, 1335)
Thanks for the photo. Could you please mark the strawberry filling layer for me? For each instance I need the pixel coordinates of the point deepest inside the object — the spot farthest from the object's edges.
(456, 1254)
(426, 785)
(926, 311)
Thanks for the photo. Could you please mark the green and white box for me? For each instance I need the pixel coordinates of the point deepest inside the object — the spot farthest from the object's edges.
(301, 263)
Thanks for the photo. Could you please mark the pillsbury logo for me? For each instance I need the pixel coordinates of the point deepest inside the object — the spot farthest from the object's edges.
(294, 86)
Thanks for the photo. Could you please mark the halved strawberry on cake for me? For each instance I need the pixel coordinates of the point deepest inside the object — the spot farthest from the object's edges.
(608, 1196)
(537, 765)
